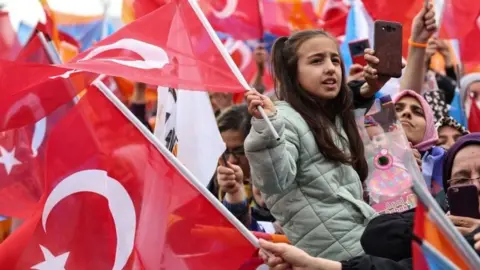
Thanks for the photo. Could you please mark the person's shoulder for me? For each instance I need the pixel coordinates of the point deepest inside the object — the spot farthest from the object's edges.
(293, 119)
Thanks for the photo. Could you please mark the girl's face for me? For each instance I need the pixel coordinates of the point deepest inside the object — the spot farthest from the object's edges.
(320, 67)
(411, 115)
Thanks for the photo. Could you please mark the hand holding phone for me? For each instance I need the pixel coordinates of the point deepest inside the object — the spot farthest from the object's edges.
(463, 201)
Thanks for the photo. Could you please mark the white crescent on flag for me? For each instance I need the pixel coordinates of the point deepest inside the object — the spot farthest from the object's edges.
(119, 202)
(154, 56)
(40, 125)
(227, 11)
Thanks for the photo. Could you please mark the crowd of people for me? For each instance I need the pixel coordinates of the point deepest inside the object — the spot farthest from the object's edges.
(309, 184)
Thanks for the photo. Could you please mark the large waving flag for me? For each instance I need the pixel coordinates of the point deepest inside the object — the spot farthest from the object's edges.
(168, 47)
(139, 199)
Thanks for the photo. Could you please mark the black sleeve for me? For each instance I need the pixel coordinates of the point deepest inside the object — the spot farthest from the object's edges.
(140, 111)
(450, 71)
(446, 85)
(387, 231)
(358, 100)
(367, 262)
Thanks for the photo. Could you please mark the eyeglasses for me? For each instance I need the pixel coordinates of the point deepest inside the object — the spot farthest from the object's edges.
(463, 181)
(236, 153)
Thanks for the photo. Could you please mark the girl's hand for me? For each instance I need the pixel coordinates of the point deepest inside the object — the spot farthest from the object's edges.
(283, 256)
(255, 99)
(424, 24)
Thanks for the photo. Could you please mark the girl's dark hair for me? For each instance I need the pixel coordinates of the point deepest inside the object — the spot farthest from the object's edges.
(235, 118)
(319, 115)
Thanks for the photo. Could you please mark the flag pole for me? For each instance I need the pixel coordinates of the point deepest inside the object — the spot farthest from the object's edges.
(218, 43)
(437, 215)
(52, 54)
(174, 161)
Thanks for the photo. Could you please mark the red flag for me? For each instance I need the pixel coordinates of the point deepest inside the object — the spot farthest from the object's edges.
(20, 83)
(334, 17)
(399, 11)
(239, 18)
(34, 52)
(113, 201)
(461, 20)
(285, 16)
(9, 44)
(168, 47)
(474, 117)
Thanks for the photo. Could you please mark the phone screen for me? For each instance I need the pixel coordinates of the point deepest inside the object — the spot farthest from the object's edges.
(357, 48)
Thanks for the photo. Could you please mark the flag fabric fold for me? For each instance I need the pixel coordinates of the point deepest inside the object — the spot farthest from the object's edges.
(98, 166)
(168, 47)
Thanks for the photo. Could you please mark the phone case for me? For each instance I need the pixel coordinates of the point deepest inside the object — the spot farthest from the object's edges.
(388, 48)
(463, 201)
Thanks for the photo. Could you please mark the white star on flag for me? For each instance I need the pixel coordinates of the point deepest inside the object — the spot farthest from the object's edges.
(51, 262)
(8, 159)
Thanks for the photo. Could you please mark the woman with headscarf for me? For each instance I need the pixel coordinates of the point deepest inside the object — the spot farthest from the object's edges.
(449, 131)
(417, 121)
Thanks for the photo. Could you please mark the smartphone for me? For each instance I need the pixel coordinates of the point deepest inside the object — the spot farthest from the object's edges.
(357, 50)
(388, 48)
(463, 201)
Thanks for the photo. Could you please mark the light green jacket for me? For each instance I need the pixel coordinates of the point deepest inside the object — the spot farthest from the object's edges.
(319, 203)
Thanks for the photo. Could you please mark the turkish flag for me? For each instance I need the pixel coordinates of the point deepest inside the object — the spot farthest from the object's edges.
(113, 201)
(34, 52)
(38, 87)
(169, 47)
(240, 19)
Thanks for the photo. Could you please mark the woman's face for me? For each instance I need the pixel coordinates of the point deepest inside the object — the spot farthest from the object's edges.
(235, 152)
(447, 136)
(411, 115)
(466, 167)
(320, 67)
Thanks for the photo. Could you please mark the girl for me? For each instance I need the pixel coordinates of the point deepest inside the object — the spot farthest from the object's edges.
(312, 177)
